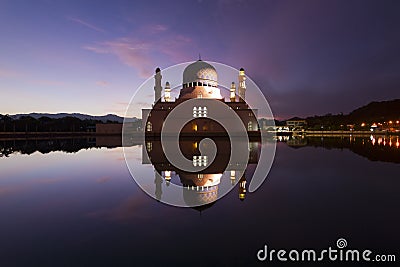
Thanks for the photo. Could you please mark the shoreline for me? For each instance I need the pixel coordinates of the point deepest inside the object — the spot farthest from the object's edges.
(33, 135)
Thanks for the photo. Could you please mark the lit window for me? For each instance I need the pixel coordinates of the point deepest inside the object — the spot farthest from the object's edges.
(199, 95)
(149, 127)
(200, 160)
(149, 146)
(199, 112)
(250, 126)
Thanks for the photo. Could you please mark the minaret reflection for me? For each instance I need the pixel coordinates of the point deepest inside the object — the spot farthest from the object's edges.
(242, 187)
(158, 181)
(199, 188)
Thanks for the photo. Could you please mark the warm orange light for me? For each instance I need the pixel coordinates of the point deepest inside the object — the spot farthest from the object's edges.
(397, 143)
(390, 122)
(397, 122)
(363, 124)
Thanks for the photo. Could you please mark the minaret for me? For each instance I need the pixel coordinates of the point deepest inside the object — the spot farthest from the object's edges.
(242, 85)
(233, 177)
(233, 92)
(157, 85)
(167, 95)
(167, 176)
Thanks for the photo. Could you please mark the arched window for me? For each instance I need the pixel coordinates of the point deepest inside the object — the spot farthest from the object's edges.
(149, 127)
(149, 146)
(250, 126)
(199, 95)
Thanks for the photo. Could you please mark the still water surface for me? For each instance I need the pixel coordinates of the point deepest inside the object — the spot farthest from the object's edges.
(74, 203)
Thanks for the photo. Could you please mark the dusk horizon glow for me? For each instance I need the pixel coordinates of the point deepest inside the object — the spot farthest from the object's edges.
(308, 57)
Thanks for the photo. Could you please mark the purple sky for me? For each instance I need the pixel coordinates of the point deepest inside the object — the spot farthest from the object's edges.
(309, 57)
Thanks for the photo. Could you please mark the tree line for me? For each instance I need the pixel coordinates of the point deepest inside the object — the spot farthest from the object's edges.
(46, 124)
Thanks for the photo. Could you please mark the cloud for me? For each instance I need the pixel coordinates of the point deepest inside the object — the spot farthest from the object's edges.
(4, 73)
(47, 82)
(146, 53)
(102, 83)
(129, 51)
(155, 28)
(86, 24)
(104, 179)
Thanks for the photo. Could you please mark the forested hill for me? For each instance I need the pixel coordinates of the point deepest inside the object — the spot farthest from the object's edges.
(377, 111)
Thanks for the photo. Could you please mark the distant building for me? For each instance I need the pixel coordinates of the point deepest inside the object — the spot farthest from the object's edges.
(296, 124)
(109, 128)
(91, 129)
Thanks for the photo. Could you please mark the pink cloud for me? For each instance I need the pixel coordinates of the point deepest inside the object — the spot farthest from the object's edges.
(4, 73)
(102, 83)
(130, 52)
(144, 54)
(103, 179)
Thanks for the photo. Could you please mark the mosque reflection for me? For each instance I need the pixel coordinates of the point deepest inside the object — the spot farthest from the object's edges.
(205, 184)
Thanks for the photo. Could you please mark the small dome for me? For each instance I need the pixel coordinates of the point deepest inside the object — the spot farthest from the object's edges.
(158, 70)
(241, 69)
(200, 71)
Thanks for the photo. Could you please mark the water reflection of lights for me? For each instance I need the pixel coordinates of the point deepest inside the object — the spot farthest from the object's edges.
(372, 139)
(379, 140)
(283, 138)
(383, 141)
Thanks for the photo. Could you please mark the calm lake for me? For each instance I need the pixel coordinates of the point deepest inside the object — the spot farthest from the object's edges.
(73, 202)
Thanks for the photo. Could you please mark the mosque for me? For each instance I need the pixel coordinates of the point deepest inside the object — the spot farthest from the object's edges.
(200, 81)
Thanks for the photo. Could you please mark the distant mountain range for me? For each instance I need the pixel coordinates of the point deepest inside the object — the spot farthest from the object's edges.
(105, 118)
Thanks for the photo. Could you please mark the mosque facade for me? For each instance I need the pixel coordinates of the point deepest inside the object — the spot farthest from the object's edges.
(200, 81)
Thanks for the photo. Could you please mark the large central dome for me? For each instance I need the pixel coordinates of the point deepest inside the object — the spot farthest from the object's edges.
(201, 74)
